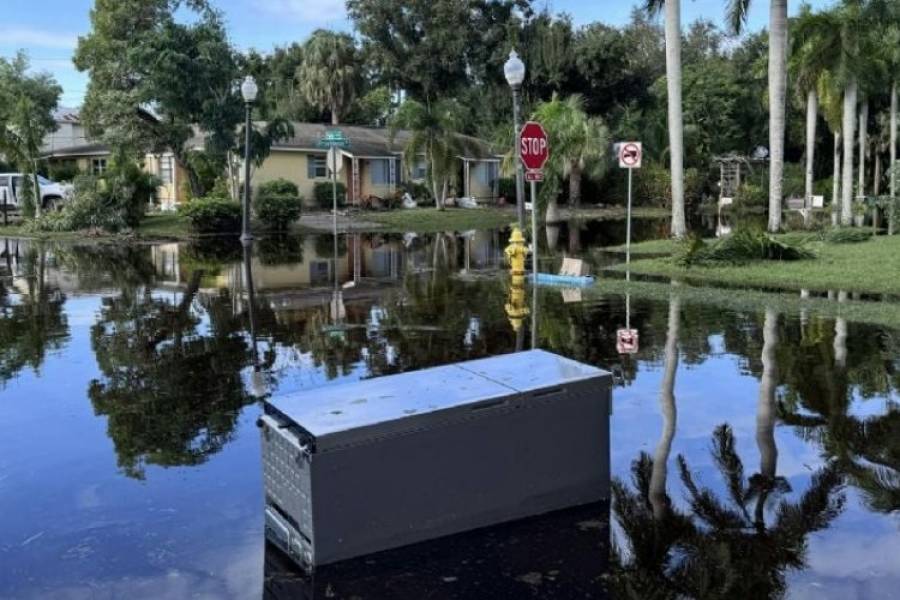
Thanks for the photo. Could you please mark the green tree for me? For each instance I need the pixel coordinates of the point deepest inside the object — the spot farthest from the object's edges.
(433, 128)
(579, 145)
(778, 36)
(330, 74)
(434, 48)
(155, 82)
(27, 103)
(807, 66)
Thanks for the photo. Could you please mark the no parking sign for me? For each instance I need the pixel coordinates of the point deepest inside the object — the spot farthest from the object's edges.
(630, 155)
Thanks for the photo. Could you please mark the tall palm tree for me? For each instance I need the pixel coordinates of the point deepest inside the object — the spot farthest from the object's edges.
(807, 68)
(831, 101)
(891, 50)
(330, 75)
(676, 118)
(778, 25)
(579, 145)
(433, 134)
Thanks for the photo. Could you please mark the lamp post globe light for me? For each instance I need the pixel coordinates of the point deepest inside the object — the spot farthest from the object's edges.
(514, 71)
(249, 90)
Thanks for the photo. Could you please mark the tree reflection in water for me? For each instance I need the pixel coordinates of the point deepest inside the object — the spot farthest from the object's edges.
(820, 399)
(171, 385)
(718, 548)
(32, 323)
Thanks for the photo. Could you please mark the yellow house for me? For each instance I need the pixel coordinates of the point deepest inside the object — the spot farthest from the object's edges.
(372, 165)
(70, 145)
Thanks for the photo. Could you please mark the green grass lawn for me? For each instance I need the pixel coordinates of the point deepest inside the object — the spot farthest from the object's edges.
(878, 313)
(164, 225)
(425, 220)
(872, 266)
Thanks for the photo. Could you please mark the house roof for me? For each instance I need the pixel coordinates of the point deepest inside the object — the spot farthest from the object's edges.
(93, 149)
(365, 142)
(375, 142)
(67, 115)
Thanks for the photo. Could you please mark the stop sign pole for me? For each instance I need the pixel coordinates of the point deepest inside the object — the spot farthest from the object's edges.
(534, 151)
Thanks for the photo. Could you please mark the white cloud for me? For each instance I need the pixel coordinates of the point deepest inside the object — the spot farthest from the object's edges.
(25, 37)
(308, 11)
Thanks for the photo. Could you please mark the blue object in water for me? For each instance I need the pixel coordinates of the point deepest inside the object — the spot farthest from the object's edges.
(563, 280)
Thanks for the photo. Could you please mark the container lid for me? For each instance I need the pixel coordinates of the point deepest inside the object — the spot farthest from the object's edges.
(533, 370)
(359, 412)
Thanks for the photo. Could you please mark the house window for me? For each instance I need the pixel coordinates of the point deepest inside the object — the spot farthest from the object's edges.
(316, 167)
(167, 170)
(380, 171)
(486, 173)
(420, 171)
(98, 166)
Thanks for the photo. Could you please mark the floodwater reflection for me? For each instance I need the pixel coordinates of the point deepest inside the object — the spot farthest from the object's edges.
(128, 447)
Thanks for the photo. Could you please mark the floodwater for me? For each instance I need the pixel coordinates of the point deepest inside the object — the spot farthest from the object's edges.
(756, 454)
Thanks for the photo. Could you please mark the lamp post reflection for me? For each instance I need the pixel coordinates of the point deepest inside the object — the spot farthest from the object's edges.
(258, 386)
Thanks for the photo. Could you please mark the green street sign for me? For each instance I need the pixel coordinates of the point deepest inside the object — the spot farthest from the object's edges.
(334, 138)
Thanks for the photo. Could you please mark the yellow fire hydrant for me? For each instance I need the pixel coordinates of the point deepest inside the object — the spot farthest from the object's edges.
(516, 252)
(516, 308)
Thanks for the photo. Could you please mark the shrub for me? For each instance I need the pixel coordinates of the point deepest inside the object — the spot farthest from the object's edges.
(212, 214)
(322, 192)
(507, 187)
(64, 171)
(277, 212)
(751, 196)
(278, 187)
(845, 235)
(653, 186)
(420, 193)
(112, 203)
(742, 246)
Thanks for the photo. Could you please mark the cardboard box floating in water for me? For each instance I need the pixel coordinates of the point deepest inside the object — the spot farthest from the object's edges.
(377, 464)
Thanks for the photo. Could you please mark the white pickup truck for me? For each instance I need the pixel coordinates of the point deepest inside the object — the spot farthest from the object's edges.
(53, 194)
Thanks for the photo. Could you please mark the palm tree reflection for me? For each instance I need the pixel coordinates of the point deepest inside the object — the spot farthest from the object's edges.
(740, 546)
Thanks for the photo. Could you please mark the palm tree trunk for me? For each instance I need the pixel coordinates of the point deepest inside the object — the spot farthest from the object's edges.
(575, 186)
(876, 181)
(849, 129)
(765, 408)
(777, 95)
(37, 192)
(335, 114)
(812, 113)
(893, 175)
(863, 142)
(836, 178)
(840, 337)
(669, 411)
(676, 123)
(552, 215)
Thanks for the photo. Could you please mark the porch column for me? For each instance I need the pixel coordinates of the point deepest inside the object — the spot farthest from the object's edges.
(355, 192)
(466, 185)
(392, 175)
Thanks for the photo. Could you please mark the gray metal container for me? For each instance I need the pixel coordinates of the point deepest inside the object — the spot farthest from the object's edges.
(371, 465)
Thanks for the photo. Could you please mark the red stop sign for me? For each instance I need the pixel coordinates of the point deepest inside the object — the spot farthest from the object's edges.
(533, 146)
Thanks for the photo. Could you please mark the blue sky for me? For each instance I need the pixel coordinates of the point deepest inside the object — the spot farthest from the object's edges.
(48, 29)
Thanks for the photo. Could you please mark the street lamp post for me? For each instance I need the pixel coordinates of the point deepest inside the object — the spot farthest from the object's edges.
(248, 92)
(514, 70)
